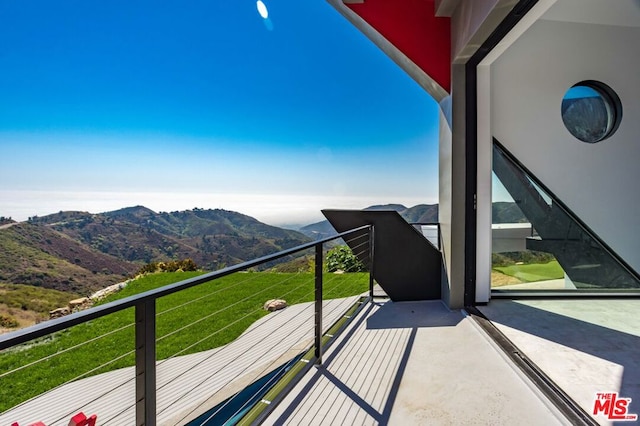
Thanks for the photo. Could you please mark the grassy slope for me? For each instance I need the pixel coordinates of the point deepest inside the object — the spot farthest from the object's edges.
(533, 272)
(217, 315)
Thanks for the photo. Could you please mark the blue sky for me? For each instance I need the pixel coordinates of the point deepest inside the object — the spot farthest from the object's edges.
(175, 105)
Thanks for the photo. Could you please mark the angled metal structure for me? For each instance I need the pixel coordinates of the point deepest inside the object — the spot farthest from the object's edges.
(406, 265)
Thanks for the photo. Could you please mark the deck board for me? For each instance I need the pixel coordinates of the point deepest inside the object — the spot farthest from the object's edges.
(414, 363)
(185, 382)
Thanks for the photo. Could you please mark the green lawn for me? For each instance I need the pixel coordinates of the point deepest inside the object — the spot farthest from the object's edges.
(534, 271)
(218, 313)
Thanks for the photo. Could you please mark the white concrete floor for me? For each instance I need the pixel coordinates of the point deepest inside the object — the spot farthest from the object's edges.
(584, 346)
(415, 363)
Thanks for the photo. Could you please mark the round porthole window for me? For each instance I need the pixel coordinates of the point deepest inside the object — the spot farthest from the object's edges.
(591, 111)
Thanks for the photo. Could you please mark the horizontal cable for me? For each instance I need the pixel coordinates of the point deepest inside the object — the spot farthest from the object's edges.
(206, 359)
(76, 378)
(240, 373)
(332, 290)
(48, 327)
(106, 312)
(267, 385)
(207, 378)
(364, 245)
(205, 296)
(48, 357)
(222, 310)
(309, 330)
(66, 416)
(219, 330)
(364, 252)
(356, 240)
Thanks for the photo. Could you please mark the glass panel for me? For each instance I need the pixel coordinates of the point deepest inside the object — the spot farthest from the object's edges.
(538, 245)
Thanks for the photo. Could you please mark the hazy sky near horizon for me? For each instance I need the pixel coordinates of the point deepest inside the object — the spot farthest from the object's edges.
(175, 105)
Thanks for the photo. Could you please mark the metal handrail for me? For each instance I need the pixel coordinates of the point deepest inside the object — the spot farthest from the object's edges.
(145, 320)
(42, 329)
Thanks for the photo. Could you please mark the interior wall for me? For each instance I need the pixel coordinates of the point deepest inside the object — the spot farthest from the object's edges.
(598, 182)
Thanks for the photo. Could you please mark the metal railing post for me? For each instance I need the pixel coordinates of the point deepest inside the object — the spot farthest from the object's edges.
(371, 258)
(318, 307)
(146, 363)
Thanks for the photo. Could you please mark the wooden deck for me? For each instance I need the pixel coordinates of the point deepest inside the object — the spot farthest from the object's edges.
(187, 385)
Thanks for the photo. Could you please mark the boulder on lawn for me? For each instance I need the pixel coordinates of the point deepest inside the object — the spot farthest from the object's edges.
(275, 305)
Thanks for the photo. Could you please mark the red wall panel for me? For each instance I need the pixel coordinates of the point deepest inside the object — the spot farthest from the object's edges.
(411, 26)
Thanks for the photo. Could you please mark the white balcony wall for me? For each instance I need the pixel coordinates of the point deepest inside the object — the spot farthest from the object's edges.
(598, 182)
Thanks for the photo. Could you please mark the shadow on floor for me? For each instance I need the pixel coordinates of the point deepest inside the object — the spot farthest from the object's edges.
(413, 315)
(400, 317)
(602, 342)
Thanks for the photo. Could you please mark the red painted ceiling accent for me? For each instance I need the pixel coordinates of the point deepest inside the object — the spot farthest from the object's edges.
(412, 27)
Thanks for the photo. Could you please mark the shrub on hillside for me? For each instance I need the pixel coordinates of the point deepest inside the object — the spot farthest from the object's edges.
(525, 256)
(341, 258)
(170, 266)
(7, 321)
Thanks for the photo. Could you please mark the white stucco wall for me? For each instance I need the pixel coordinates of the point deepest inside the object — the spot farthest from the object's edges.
(598, 182)
(445, 201)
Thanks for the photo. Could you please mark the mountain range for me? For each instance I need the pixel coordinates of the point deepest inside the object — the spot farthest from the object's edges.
(422, 213)
(80, 252)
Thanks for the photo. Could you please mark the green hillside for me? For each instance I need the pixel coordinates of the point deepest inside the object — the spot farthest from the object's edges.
(208, 316)
(212, 238)
(81, 252)
(36, 255)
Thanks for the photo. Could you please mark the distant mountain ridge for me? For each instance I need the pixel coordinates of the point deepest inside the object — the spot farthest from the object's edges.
(503, 212)
(80, 251)
(421, 213)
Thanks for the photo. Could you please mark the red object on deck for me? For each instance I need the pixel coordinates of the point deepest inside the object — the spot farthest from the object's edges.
(81, 420)
(32, 424)
(78, 420)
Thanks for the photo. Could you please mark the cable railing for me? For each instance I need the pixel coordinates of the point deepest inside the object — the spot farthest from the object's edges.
(168, 346)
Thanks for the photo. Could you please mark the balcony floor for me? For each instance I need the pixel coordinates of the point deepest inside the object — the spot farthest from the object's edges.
(414, 363)
(583, 346)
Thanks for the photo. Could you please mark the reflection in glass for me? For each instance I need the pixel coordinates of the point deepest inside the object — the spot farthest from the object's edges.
(537, 244)
(591, 111)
